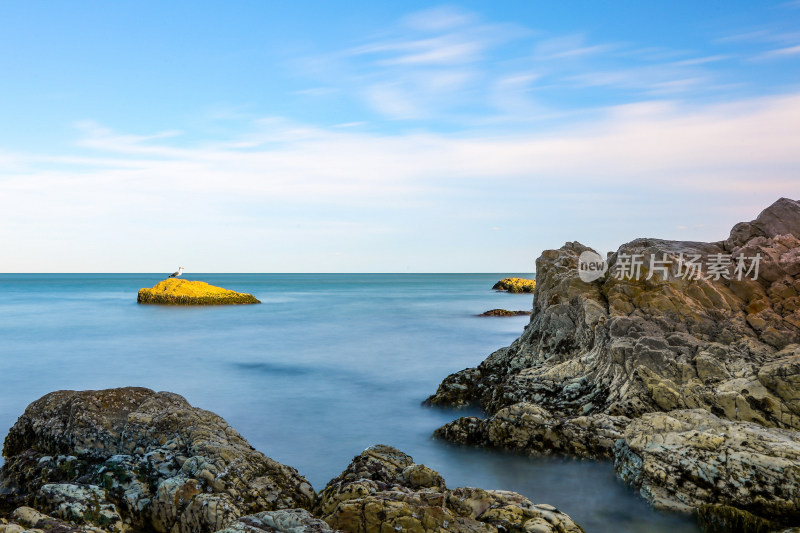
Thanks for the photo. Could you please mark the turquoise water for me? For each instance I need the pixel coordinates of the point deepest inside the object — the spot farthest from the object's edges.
(328, 365)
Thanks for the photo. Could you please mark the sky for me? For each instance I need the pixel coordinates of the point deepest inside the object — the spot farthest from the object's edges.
(317, 136)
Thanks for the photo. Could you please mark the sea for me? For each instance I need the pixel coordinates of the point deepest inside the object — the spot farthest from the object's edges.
(326, 366)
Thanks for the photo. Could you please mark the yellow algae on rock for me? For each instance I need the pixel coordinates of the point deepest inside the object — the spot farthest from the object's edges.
(174, 291)
(515, 285)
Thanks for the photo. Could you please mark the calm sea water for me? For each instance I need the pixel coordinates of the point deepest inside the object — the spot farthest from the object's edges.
(328, 365)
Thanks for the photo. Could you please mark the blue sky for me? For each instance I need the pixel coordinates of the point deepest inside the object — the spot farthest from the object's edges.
(385, 137)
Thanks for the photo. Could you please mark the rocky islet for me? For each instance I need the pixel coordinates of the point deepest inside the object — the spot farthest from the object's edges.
(174, 291)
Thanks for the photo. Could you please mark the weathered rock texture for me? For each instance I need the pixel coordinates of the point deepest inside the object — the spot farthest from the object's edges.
(174, 291)
(383, 490)
(599, 354)
(686, 458)
(132, 460)
(284, 521)
(28, 520)
(132, 457)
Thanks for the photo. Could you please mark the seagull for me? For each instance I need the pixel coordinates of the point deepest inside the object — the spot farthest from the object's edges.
(178, 273)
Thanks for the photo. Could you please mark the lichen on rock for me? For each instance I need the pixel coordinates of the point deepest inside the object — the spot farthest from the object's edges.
(384, 490)
(515, 285)
(174, 291)
(147, 457)
(131, 460)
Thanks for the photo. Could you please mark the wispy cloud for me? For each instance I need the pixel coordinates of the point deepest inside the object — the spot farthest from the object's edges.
(449, 65)
(136, 184)
(569, 46)
(782, 52)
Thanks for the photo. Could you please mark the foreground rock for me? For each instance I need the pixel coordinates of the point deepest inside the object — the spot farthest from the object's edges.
(174, 291)
(654, 338)
(504, 312)
(515, 285)
(383, 490)
(134, 458)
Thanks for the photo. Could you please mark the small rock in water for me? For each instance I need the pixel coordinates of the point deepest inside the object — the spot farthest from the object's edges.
(504, 312)
(515, 285)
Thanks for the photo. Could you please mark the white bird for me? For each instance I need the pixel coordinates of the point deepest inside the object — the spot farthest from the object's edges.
(178, 273)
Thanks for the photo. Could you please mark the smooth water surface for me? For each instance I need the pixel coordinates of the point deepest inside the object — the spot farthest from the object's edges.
(328, 365)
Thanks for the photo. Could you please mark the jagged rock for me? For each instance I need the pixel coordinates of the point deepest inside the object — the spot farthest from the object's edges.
(624, 347)
(383, 490)
(284, 521)
(600, 353)
(515, 285)
(175, 291)
(152, 457)
(683, 459)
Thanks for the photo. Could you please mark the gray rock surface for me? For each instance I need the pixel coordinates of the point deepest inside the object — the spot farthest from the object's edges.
(134, 457)
(283, 521)
(598, 355)
(683, 459)
(28, 520)
(132, 461)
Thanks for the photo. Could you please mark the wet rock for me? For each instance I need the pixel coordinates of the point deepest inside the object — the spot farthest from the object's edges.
(151, 458)
(383, 490)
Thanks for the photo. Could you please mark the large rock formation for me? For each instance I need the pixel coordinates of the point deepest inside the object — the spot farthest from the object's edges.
(134, 458)
(174, 291)
(651, 336)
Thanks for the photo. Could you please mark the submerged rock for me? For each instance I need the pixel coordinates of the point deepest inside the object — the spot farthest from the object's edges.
(504, 312)
(515, 285)
(174, 291)
(384, 490)
(133, 457)
(652, 338)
